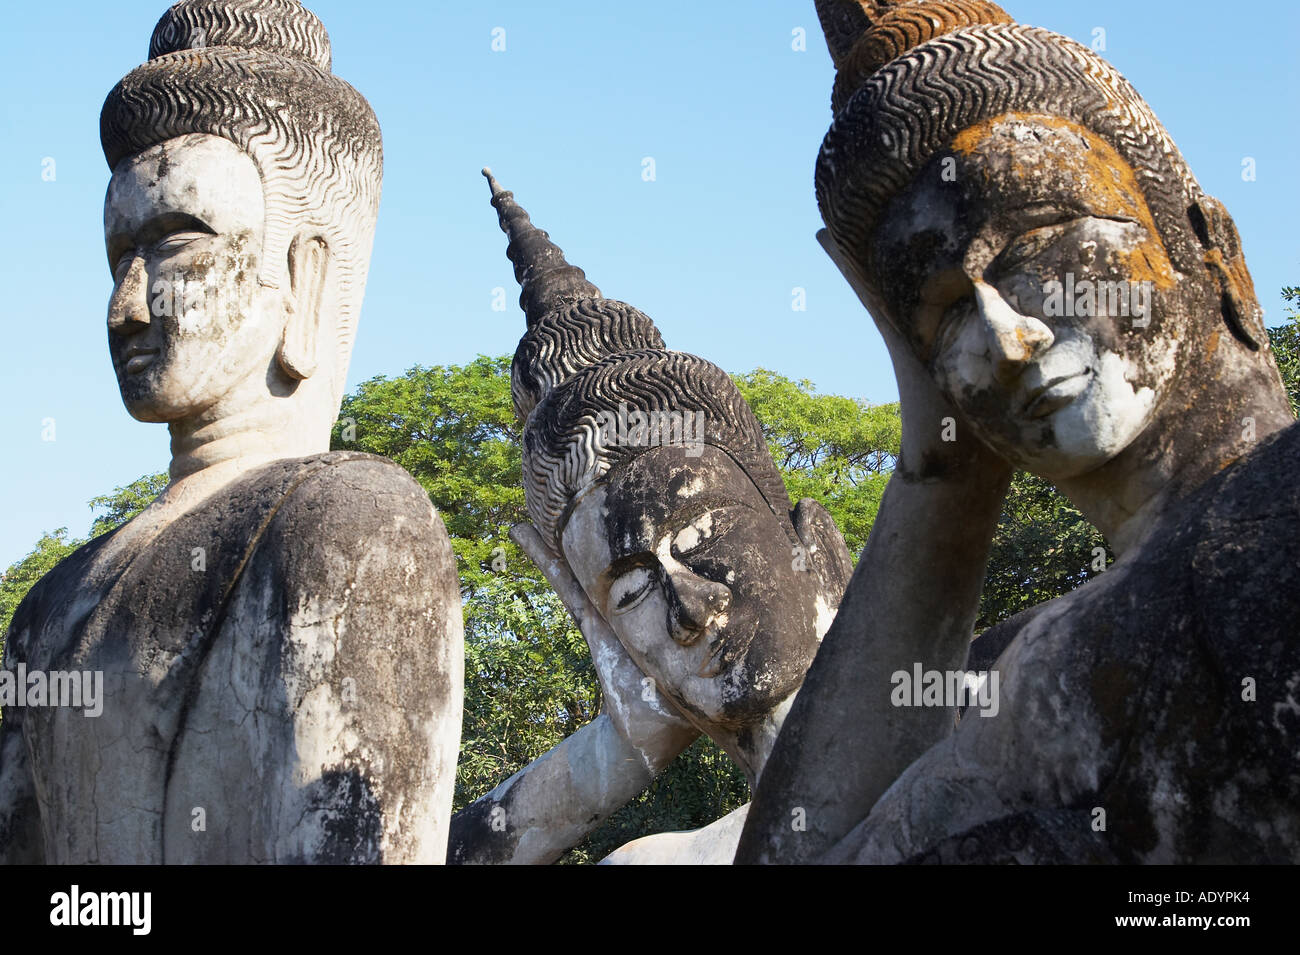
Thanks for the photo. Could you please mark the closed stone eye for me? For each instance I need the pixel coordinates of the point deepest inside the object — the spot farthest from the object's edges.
(630, 589)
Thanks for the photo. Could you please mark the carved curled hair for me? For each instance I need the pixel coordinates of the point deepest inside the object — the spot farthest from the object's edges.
(565, 450)
(888, 31)
(585, 357)
(911, 108)
(571, 338)
(282, 27)
(570, 323)
(256, 72)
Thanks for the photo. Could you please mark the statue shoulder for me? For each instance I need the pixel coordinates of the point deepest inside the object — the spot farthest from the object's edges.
(352, 556)
(1264, 482)
(355, 489)
(1245, 559)
(48, 596)
(347, 516)
(1232, 549)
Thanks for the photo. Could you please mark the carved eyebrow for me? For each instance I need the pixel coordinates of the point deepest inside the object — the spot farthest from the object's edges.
(700, 505)
(1044, 215)
(1061, 223)
(628, 563)
(694, 508)
(153, 229)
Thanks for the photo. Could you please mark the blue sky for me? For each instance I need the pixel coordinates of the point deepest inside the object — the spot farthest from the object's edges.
(585, 90)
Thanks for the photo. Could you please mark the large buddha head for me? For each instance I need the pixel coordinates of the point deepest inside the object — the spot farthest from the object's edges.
(240, 215)
(1006, 201)
(649, 473)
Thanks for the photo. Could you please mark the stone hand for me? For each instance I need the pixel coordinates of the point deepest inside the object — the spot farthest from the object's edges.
(638, 711)
(937, 444)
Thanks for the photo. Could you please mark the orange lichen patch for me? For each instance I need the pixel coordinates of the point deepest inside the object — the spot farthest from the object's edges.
(1148, 263)
(1105, 176)
(968, 139)
(1234, 269)
(1212, 345)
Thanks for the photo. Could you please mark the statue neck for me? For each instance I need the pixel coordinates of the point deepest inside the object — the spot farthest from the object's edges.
(751, 745)
(243, 431)
(1217, 410)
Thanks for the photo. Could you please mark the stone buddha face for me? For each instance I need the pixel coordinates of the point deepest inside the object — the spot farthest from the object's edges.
(188, 321)
(1026, 273)
(703, 586)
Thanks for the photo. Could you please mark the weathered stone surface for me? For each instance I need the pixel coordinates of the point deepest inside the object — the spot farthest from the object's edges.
(1047, 837)
(1128, 696)
(715, 844)
(1037, 254)
(663, 523)
(279, 634)
(271, 690)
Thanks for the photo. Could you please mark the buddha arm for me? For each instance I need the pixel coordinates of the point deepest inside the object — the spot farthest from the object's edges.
(913, 599)
(1042, 745)
(557, 800)
(21, 840)
(378, 622)
(715, 844)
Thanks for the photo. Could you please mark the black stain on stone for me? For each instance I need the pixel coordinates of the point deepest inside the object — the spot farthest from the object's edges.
(352, 820)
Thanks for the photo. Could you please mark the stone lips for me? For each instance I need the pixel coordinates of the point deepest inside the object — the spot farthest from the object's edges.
(564, 451)
(282, 27)
(315, 139)
(914, 106)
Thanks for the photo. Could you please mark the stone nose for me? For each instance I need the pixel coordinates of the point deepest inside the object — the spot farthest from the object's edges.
(695, 603)
(1013, 339)
(129, 305)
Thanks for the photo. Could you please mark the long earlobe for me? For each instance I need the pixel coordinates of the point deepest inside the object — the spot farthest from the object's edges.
(817, 532)
(308, 270)
(1227, 266)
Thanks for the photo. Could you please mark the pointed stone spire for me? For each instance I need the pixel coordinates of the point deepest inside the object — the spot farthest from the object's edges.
(547, 280)
(843, 22)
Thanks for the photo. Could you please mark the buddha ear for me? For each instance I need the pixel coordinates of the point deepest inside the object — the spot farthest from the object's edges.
(1227, 266)
(825, 546)
(308, 272)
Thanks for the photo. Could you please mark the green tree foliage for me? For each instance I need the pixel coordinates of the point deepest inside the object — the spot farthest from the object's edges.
(836, 450)
(1285, 340)
(22, 576)
(125, 502)
(454, 429)
(529, 681)
(1043, 548)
